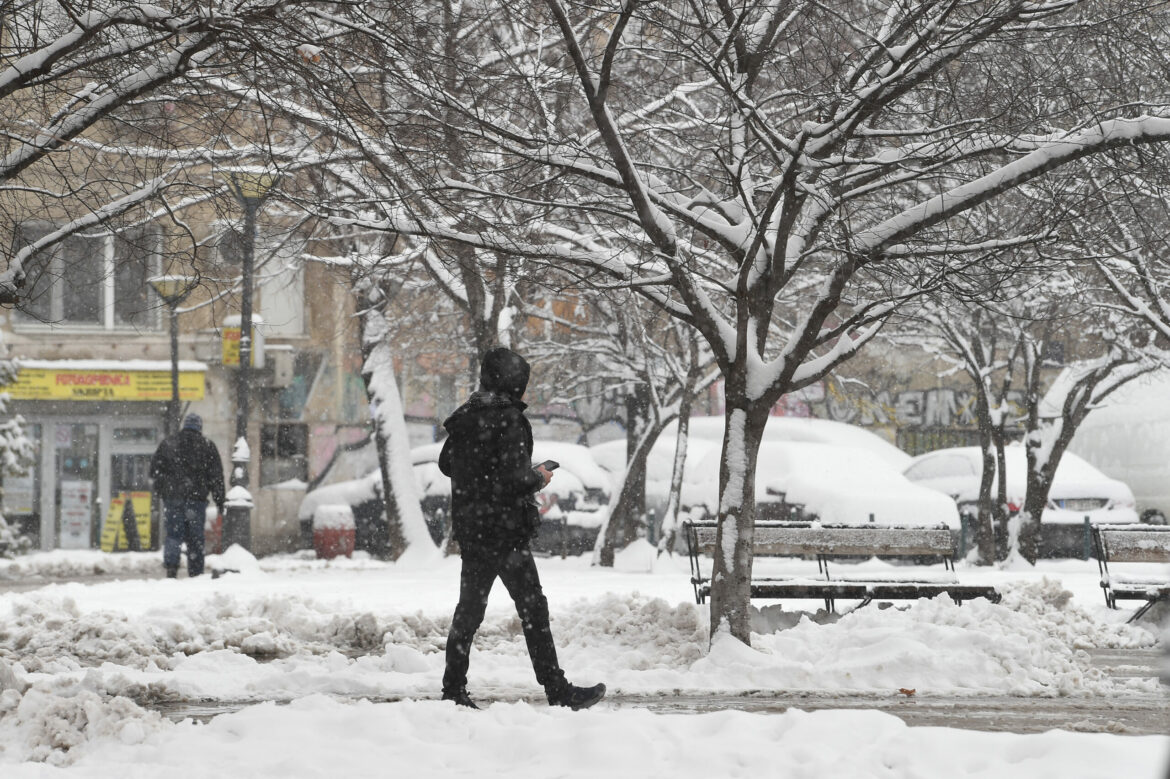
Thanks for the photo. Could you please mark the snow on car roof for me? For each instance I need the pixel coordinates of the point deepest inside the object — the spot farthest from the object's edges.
(840, 484)
(825, 431)
(1074, 476)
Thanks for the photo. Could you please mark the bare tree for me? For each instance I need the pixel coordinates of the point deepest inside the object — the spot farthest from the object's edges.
(782, 177)
(985, 344)
(653, 360)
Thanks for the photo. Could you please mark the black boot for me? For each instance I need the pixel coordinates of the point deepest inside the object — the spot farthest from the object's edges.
(460, 697)
(172, 571)
(576, 698)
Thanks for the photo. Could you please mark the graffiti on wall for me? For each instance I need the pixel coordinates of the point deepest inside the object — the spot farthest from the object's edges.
(935, 407)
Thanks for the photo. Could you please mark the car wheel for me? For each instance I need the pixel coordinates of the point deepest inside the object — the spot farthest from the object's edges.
(1153, 517)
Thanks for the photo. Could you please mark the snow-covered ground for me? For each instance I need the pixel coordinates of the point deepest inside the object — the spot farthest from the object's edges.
(353, 647)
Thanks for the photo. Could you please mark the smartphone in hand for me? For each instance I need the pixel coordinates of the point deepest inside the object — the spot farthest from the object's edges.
(548, 465)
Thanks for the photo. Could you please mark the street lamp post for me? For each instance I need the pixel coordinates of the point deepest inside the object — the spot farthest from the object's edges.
(173, 289)
(250, 189)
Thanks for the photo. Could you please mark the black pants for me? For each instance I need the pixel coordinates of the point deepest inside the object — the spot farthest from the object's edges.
(517, 570)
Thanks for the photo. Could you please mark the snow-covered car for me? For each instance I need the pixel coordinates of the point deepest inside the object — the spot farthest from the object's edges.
(580, 484)
(829, 482)
(572, 505)
(853, 453)
(1078, 490)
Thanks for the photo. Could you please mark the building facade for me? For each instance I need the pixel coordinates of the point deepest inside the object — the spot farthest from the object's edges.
(95, 381)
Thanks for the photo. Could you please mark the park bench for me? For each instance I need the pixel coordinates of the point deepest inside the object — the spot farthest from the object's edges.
(1132, 544)
(827, 542)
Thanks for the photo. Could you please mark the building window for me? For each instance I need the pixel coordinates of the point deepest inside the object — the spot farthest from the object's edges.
(284, 453)
(90, 280)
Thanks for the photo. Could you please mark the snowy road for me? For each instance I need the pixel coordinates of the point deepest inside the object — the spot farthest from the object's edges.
(1131, 714)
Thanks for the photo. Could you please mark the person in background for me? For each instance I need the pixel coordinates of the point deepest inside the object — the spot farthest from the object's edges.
(488, 455)
(186, 468)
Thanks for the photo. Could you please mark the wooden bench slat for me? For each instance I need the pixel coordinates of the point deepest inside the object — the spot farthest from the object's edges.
(851, 542)
(1132, 544)
(1136, 546)
(824, 542)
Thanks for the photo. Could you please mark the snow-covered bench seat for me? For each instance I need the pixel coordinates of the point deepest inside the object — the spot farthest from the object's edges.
(825, 542)
(1132, 544)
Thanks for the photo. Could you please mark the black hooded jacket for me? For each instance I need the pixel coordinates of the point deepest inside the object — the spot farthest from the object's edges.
(187, 466)
(488, 455)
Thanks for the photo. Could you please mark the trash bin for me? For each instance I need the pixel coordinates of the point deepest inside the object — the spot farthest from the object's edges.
(334, 531)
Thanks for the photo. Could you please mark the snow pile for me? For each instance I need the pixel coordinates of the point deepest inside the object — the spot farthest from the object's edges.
(54, 727)
(281, 647)
(49, 634)
(1031, 645)
(236, 559)
(320, 736)
(66, 564)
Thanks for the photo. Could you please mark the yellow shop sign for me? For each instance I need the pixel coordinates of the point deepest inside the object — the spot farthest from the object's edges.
(81, 384)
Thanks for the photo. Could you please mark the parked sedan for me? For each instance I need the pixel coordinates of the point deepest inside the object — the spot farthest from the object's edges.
(832, 483)
(1078, 490)
(841, 473)
(578, 485)
(573, 504)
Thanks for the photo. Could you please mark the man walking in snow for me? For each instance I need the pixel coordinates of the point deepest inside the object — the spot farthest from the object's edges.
(488, 455)
(185, 468)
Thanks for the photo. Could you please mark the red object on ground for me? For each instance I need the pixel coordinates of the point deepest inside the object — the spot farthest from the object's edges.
(333, 531)
(213, 535)
(332, 542)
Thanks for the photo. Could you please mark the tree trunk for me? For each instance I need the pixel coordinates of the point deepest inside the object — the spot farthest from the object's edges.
(404, 521)
(627, 511)
(670, 518)
(1000, 511)
(1039, 486)
(395, 539)
(985, 521)
(732, 572)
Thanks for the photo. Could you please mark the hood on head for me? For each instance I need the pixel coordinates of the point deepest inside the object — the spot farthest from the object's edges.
(505, 372)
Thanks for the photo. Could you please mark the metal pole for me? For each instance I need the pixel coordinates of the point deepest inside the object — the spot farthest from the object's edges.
(244, 377)
(173, 410)
(237, 521)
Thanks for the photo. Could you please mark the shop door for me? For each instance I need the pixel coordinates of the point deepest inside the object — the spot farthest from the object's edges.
(76, 449)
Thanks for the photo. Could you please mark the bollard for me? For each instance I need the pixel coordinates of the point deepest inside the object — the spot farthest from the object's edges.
(1088, 539)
